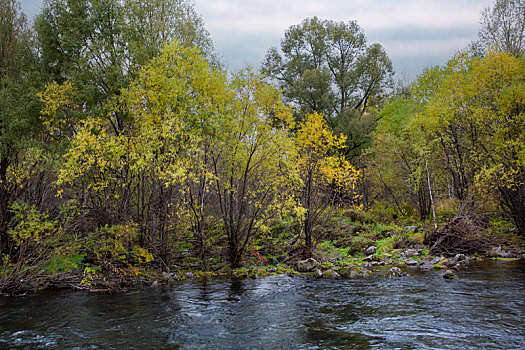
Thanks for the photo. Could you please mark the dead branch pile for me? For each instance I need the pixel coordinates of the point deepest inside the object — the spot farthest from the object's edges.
(461, 235)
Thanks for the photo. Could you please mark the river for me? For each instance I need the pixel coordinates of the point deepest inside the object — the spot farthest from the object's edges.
(484, 309)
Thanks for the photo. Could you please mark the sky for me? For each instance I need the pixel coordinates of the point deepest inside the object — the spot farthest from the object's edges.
(415, 33)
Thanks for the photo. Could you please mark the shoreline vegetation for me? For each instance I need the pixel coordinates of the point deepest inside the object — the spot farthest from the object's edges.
(376, 250)
(129, 155)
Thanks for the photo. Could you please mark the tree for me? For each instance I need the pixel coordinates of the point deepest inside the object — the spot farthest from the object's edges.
(397, 166)
(503, 27)
(326, 67)
(326, 177)
(252, 162)
(474, 120)
(18, 104)
(136, 176)
(152, 24)
(100, 45)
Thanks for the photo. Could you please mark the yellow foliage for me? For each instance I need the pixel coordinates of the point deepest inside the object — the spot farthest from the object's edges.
(31, 224)
(59, 106)
(318, 160)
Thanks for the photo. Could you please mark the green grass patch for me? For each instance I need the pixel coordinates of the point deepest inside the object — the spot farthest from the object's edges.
(61, 263)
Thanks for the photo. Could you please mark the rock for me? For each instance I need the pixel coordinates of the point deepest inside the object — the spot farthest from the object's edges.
(460, 257)
(155, 284)
(449, 275)
(464, 262)
(409, 253)
(449, 262)
(411, 262)
(307, 265)
(371, 250)
(189, 275)
(437, 260)
(369, 258)
(410, 228)
(330, 274)
(396, 272)
(254, 277)
(354, 272)
(426, 265)
(499, 253)
(318, 273)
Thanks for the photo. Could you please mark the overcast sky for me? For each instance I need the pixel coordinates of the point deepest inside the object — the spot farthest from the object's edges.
(415, 33)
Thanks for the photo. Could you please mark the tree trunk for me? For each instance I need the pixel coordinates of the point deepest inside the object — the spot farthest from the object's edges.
(308, 235)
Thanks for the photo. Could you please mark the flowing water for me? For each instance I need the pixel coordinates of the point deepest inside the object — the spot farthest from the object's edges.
(484, 309)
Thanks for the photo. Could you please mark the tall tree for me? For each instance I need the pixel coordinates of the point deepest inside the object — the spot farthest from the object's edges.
(503, 27)
(326, 67)
(252, 162)
(18, 101)
(152, 24)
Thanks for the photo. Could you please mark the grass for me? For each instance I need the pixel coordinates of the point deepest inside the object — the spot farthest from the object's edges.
(63, 263)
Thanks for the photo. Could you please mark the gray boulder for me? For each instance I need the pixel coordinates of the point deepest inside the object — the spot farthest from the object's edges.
(449, 275)
(330, 274)
(437, 260)
(371, 250)
(499, 253)
(426, 265)
(354, 272)
(460, 257)
(396, 272)
(411, 262)
(307, 265)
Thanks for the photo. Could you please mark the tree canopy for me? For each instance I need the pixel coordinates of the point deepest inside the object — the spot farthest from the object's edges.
(327, 67)
(503, 27)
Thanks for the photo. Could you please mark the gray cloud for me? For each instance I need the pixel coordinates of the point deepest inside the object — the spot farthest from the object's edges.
(415, 33)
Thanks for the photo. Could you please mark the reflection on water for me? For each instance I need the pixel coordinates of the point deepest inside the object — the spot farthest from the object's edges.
(483, 309)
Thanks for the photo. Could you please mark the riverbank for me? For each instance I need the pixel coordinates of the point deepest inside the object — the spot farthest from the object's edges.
(350, 244)
(394, 264)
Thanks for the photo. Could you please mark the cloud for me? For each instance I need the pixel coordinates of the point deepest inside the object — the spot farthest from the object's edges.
(244, 30)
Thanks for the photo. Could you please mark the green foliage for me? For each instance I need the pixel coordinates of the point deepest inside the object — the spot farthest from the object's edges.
(19, 105)
(479, 108)
(397, 167)
(326, 67)
(61, 263)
